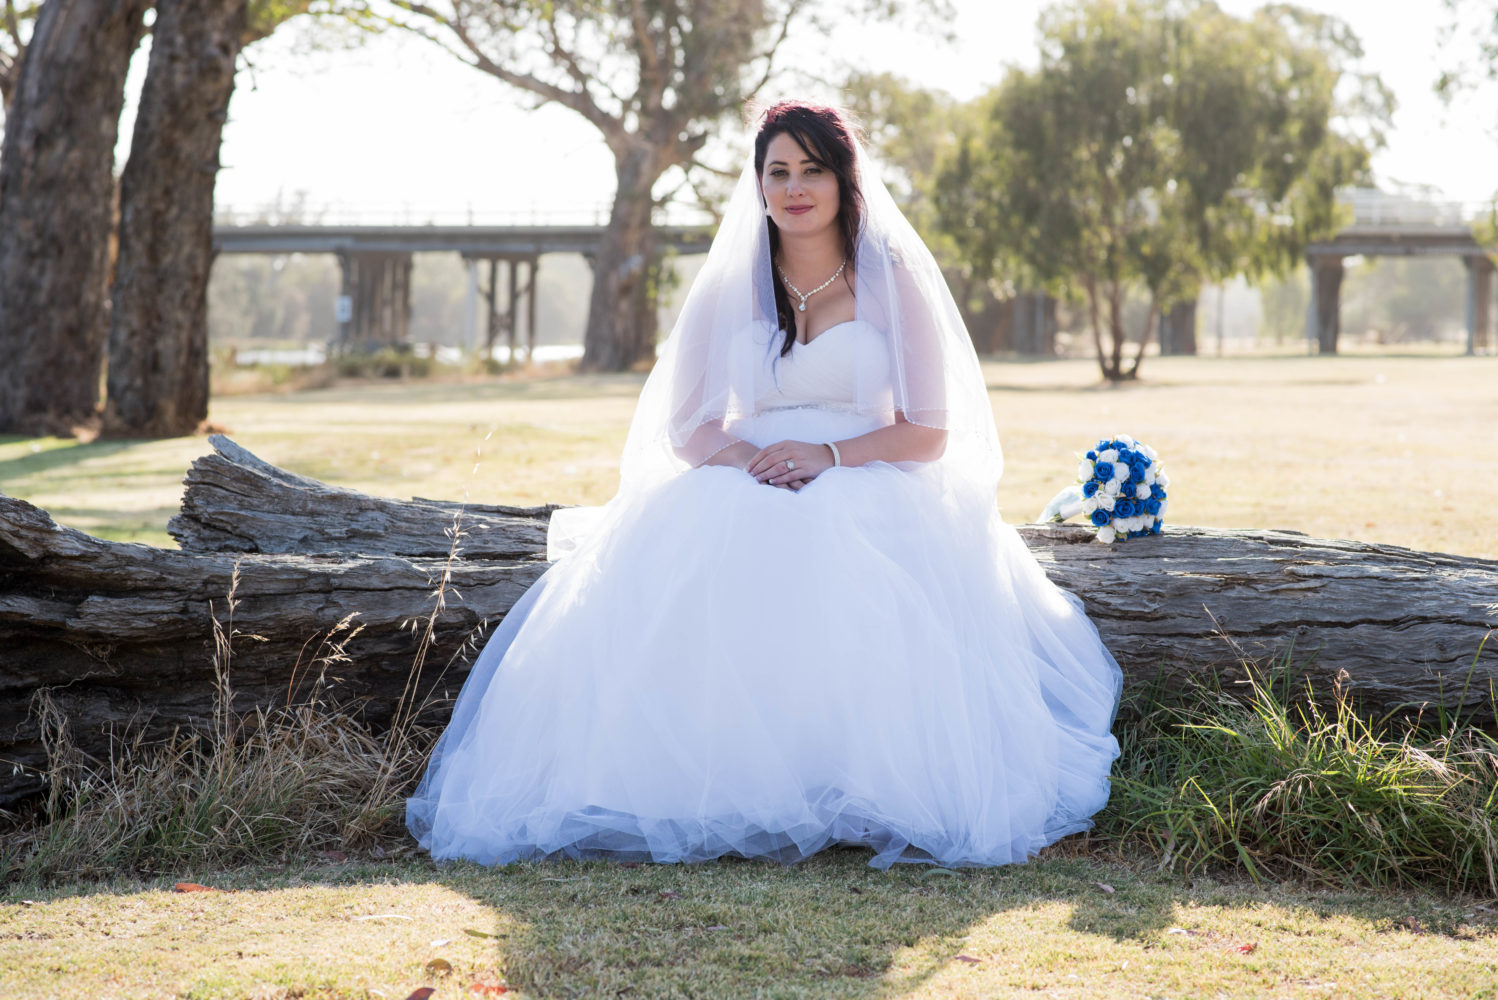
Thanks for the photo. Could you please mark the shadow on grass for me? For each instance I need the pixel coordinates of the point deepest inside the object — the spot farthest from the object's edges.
(55, 454)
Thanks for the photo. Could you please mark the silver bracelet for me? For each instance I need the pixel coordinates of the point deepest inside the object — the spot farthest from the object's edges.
(837, 459)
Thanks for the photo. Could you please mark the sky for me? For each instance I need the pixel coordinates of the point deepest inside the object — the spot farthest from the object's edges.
(399, 131)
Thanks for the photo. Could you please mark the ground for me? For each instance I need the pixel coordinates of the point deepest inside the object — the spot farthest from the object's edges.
(1384, 448)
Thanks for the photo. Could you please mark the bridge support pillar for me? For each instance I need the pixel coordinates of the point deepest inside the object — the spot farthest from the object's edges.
(1324, 312)
(1479, 303)
(377, 287)
(506, 320)
(1178, 328)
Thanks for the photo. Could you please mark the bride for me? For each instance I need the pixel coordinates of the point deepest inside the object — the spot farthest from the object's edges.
(801, 621)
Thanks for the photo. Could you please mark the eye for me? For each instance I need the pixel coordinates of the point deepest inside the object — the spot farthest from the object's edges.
(777, 172)
(813, 170)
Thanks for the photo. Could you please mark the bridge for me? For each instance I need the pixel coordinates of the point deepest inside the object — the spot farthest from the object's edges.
(375, 262)
(1395, 225)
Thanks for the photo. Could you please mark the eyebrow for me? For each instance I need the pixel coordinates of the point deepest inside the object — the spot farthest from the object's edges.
(782, 163)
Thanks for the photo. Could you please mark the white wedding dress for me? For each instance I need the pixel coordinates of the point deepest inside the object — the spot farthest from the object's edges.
(726, 668)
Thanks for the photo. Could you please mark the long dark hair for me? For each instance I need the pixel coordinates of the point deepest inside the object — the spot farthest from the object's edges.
(828, 138)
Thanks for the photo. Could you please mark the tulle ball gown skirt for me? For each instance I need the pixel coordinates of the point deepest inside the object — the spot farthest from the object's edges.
(723, 668)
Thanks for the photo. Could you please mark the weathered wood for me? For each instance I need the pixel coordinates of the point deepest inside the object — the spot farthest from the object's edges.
(118, 631)
(122, 634)
(235, 502)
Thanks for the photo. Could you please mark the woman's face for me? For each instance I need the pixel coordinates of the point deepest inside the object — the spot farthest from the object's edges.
(802, 194)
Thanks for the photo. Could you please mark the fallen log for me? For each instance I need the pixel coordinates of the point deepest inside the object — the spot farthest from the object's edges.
(123, 634)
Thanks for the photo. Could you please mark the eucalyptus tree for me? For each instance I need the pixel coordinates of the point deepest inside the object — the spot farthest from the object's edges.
(656, 78)
(157, 382)
(56, 211)
(1157, 145)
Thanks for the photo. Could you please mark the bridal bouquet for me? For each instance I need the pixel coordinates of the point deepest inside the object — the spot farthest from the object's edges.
(1120, 490)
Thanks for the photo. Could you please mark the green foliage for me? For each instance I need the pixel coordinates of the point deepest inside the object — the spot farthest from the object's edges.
(1158, 145)
(1275, 782)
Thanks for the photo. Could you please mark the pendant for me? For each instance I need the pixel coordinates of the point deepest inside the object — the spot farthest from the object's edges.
(802, 307)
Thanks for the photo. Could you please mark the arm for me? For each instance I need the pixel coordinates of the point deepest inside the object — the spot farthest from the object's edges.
(902, 441)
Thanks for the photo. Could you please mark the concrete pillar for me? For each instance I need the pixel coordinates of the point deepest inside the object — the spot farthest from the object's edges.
(1324, 318)
(471, 307)
(1479, 302)
(530, 312)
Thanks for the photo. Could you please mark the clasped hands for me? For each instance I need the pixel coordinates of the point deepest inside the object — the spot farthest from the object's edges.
(790, 465)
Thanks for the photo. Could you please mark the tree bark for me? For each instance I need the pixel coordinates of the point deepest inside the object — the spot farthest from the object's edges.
(621, 311)
(1178, 328)
(122, 634)
(1326, 289)
(57, 212)
(158, 337)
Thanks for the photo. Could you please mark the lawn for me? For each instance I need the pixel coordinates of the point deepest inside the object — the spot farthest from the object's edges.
(1383, 448)
(830, 927)
(1386, 448)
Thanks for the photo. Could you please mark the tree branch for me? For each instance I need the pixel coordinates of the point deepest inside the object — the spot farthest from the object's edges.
(791, 10)
(580, 101)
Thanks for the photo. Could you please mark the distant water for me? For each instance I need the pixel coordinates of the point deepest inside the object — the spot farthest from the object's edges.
(316, 354)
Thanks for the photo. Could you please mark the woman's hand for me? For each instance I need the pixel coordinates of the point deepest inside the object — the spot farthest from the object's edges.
(790, 464)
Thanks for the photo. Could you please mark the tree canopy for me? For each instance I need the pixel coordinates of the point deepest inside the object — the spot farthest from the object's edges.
(1158, 145)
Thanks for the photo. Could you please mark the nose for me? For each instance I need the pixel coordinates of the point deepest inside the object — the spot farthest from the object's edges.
(793, 186)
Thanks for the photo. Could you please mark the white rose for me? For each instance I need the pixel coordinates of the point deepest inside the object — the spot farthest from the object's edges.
(1106, 533)
(1105, 501)
(1084, 471)
(1149, 477)
(1089, 505)
(1150, 453)
(1111, 489)
(1107, 456)
(1163, 479)
(1141, 492)
(1163, 504)
(1121, 472)
(1124, 440)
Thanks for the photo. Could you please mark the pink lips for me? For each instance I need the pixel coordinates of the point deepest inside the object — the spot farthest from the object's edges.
(798, 209)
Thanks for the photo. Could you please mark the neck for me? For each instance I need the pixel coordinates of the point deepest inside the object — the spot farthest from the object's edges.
(811, 256)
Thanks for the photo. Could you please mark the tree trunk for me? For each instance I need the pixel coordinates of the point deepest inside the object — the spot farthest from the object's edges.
(158, 337)
(120, 634)
(621, 312)
(57, 212)
(1178, 329)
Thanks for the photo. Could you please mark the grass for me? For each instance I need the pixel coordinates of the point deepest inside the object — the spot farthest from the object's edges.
(1385, 448)
(1373, 841)
(829, 928)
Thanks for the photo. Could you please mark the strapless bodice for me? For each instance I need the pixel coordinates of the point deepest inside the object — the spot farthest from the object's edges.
(829, 370)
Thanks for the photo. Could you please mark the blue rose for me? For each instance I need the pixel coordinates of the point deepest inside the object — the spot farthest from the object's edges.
(1104, 444)
(1152, 506)
(1099, 518)
(1090, 488)
(1139, 469)
(1103, 471)
(1157, 492)
(1123, 508)
(1156, 529)
(1092, 456)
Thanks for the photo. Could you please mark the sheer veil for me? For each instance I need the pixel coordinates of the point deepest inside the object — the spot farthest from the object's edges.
(714, 367)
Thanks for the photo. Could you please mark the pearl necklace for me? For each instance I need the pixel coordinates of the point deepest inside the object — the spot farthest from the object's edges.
(803, 296)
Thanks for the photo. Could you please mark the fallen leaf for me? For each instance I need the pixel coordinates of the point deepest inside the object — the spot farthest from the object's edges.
(194, 887)
(937, 871)
(1108, 890)
(336, 857)
(440, 942)
(668, 894)
(479, 934)
(439, 967)
(421, 993)
(1244, 949)
(384, 916)
(854, 888)
(1179, 930)
(489, 989)
(629, 864)
(718, 927)
(968, 959)
(1412, 925)
(378, 851)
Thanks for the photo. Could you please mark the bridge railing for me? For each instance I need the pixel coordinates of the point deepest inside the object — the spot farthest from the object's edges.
(1381, 209)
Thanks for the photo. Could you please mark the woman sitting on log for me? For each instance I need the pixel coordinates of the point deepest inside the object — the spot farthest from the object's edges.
(801, 621)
